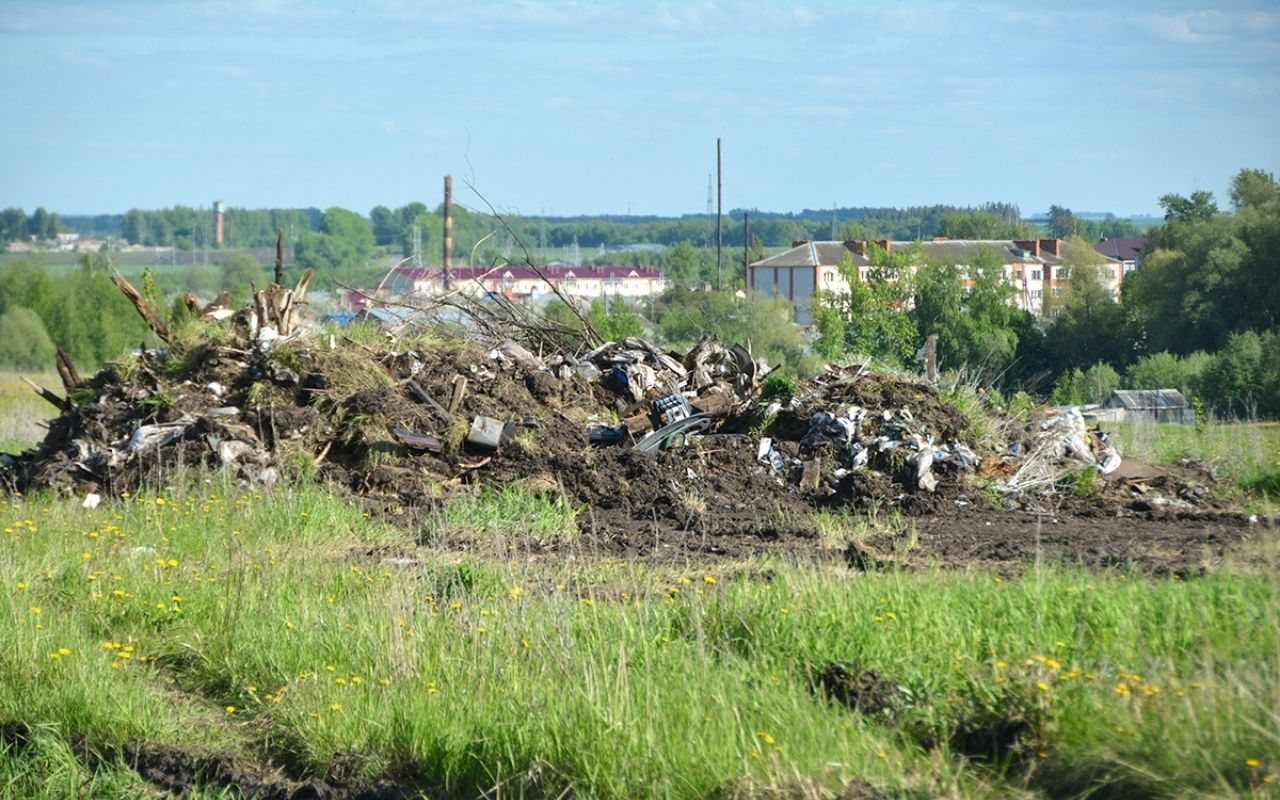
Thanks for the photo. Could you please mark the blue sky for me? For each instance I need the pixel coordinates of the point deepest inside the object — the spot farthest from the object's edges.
(610, 107)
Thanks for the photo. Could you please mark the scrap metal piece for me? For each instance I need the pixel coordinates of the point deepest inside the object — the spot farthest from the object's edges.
(418, 441)
(658, 440)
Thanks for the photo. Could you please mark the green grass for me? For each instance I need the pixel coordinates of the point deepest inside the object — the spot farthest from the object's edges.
(293, 625)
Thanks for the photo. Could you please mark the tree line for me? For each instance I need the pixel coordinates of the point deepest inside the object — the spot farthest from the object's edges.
(1201, 314)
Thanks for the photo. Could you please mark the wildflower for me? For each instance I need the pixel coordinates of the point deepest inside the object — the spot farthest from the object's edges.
(524, 643)
(432, 688)
(35, 609)
(356, 680)
(784, 611)
(335, 706)
(231, 709)
(1251, 763)
(330, 667)
(340, 681)
(160, 501)
(64, 651)
(21, 586)
(709, 579)
(587, 601)
(86, 555)
(515, 592)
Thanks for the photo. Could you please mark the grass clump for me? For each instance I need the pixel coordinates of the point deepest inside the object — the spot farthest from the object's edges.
(293, 625)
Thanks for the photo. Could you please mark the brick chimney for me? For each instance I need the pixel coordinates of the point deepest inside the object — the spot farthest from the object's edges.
(884, 244)
(1051, 246)
(856, 246)
(1030, 245)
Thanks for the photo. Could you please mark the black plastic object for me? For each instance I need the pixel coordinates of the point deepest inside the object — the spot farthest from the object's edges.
(668, 409)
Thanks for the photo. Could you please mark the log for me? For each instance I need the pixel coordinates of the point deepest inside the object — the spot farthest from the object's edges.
(58, 402)
(143, 307)
(67, 371)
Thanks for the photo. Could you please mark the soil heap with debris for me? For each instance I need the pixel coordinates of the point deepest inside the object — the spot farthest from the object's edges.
(704, 449)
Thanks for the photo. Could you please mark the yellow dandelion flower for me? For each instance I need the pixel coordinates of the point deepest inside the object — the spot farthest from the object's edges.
(335, 706)
(231, 709)
(515, 592)
(1252, 763)
(709, 579)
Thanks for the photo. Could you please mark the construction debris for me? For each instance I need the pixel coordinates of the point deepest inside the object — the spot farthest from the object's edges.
(637, 434)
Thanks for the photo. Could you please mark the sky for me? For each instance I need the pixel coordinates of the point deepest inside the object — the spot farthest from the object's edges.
(614, 107)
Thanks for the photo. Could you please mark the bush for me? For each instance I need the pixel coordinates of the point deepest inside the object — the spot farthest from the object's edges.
(24, 342)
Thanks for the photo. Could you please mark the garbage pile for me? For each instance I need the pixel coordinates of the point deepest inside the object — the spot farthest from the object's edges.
(641, 436)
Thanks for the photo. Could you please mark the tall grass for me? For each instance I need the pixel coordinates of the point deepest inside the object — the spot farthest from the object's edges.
(293, 625)
(22, 413)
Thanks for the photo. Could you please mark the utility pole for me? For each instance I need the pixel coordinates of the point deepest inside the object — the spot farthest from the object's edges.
(746, 250)
(448, 228)
(719, 215)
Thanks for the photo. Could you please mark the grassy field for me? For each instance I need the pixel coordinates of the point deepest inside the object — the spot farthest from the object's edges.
(291, 628)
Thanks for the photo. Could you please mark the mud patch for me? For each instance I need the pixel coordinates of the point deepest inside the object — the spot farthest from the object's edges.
(867, 691)
(179, 773)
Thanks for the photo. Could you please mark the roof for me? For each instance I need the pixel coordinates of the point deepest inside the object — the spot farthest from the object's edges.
(552, 271)
(1123, 249)
(960, 251)
(1142, 399)
(813, 254)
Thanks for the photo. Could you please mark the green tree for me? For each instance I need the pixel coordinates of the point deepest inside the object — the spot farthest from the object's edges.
(239, 272)
(38, 224)
(1063, 224)
(614, 319)
(685, 264)
(1233, 382)
(1198, 207)
(1087, 324)
(762, 323)
(874, 311)
(13, 225)
(1098, 382)
(134, 227)
(387, 226)
(24, 342)
(977, 326)
(352, 230)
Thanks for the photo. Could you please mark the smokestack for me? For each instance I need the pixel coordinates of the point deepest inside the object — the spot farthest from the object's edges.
(219, 212)
(448, 227)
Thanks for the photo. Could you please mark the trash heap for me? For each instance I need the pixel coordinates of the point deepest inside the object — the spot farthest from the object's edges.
(639, 437)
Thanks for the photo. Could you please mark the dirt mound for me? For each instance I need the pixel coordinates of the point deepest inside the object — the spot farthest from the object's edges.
(666, 454)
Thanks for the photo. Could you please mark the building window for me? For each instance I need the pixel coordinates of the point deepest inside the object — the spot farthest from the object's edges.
(1036, 294)
(1036, 275)
(828, 276)
(1064, 273)
(1056, 292)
